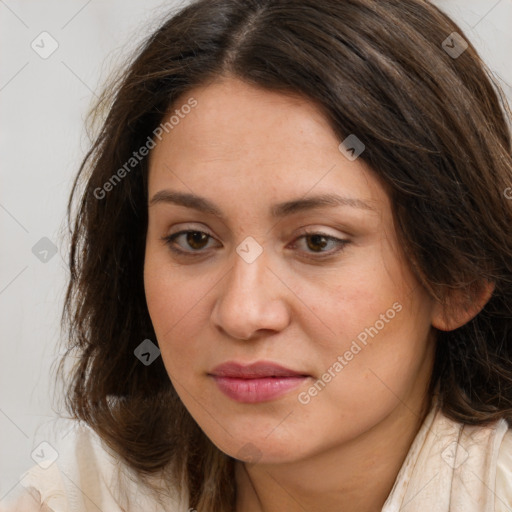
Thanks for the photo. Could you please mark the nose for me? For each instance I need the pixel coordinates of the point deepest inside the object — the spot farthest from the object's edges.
(252, 300)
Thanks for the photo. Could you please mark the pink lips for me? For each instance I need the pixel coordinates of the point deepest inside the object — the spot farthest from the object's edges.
(257, 382)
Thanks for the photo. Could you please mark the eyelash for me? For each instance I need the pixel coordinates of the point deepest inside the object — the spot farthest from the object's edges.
(169, 241)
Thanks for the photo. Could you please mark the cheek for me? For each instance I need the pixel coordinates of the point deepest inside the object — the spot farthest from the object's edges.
(364, 294)
(380, 318)
(177, 301)
(379, 360)
(171, 292)
(167, 296)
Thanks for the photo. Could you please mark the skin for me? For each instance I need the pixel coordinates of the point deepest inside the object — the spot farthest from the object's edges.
(245, 149)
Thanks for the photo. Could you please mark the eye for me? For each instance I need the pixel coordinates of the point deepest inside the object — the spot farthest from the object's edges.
(193, 238)
(317, 241)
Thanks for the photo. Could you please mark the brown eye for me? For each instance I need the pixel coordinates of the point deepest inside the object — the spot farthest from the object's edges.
(317, 242)
(195, 240)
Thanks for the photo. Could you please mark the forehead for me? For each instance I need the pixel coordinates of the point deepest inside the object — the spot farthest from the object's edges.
(259, 121)
(250, 141)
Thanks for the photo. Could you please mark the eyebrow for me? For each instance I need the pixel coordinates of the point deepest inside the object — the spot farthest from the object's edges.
(278, 210)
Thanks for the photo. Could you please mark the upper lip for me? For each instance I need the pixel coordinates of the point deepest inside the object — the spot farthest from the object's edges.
(254, 370)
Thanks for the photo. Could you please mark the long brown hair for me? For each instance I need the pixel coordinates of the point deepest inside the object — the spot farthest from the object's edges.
(435, 133)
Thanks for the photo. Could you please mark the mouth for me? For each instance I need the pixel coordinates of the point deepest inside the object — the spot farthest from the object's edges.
(257, 382)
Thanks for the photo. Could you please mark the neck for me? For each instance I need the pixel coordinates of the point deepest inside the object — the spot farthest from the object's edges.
(356, 476)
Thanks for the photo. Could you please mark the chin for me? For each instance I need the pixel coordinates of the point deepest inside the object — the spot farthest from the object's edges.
(258, 449)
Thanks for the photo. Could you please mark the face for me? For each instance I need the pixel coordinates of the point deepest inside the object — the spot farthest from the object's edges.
(321, 290)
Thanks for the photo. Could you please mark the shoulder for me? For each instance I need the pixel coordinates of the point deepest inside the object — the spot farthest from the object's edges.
(453, 465)
(79, 472)
(503, 490)
(73, 463)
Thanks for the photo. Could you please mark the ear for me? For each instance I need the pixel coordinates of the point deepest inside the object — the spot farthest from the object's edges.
(461, 306)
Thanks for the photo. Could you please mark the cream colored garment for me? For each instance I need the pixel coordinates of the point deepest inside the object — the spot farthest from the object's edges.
(86, 477)
(449, 468)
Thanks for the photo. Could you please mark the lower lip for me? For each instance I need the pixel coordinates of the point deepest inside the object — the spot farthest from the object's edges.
(257, 390)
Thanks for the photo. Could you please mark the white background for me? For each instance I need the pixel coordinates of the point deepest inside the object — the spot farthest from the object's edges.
(43, 103)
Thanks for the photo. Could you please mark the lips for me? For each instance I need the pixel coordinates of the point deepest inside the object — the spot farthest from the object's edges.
(257, 382)
(254, 370)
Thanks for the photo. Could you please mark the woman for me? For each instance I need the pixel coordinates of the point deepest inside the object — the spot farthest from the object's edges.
(291, 271)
